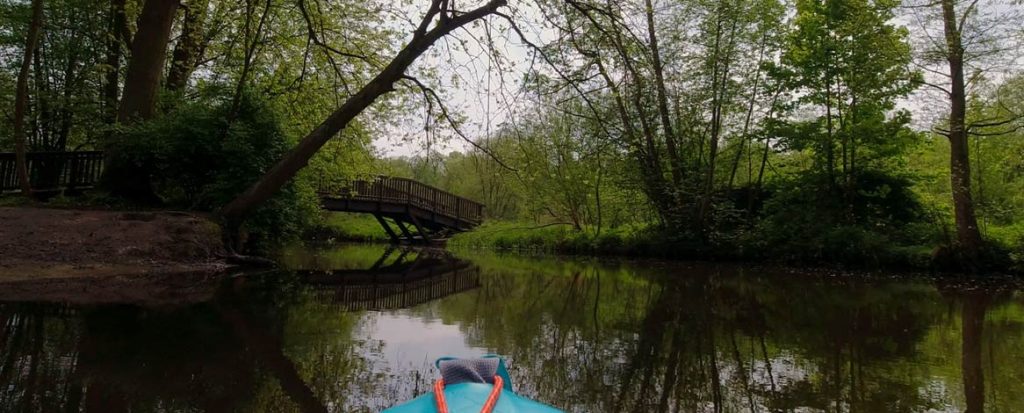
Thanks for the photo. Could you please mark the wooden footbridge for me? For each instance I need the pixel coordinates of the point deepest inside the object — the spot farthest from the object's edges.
(421, 213)
(408, 211)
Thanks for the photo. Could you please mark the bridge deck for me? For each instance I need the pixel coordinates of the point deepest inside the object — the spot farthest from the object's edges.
(432, 212)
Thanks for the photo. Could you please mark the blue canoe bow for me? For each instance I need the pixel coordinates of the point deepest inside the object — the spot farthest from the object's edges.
(470, 397)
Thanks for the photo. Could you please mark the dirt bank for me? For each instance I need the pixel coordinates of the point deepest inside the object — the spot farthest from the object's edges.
(41, 243)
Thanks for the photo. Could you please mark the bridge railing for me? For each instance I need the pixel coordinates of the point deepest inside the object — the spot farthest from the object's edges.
(53, 170)
(403, 190)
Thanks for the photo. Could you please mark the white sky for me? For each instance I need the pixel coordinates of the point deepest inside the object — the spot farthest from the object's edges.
(474, 84)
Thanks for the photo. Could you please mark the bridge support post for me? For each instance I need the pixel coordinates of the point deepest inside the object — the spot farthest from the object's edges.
(387, 228)
(419, 228)
(405, 231)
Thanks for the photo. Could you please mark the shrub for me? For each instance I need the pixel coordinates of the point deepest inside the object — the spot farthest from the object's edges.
(807, 222)
(200, 156)
(1005, 246)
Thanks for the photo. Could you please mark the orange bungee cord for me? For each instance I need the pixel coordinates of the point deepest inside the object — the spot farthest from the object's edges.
(492, 399)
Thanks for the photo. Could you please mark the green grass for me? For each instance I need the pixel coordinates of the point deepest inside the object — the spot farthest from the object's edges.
(341, 226)
(1011, 239)
(634, 240)
(650, 241)
(1009, 235)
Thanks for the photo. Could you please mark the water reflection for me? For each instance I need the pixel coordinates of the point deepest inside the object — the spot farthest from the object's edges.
(584, 336)
(410, 278)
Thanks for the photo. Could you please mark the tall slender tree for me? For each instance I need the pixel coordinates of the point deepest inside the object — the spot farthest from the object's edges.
(852, 62)
(962, 42)
(118, 37)
(21, 97)
(968, 235)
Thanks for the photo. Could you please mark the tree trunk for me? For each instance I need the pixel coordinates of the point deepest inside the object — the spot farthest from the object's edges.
(755, 194)
(149, 52)
(968, 235)
(43, 113)
(116, 39)
(830, 156)
(297, 158)
(186, 52)
(719, 84)
(21, 98)
(138, 102)
(750, 113)
(251, 43)
(972, 374)
(659, 79)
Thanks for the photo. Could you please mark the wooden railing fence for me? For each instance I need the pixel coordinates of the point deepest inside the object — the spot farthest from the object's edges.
(403, 190)
(53, 170)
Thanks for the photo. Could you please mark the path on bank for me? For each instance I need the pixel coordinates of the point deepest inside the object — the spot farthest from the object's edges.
(37, 243)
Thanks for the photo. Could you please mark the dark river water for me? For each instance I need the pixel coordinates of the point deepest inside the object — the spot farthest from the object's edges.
(357, 328)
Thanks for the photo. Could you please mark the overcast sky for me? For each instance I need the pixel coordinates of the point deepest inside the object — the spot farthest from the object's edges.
(477, 86)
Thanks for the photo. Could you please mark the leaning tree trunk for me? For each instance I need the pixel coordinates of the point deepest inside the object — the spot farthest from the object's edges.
(968, 236)
(298, 157)
(21, 98)
(149, 51)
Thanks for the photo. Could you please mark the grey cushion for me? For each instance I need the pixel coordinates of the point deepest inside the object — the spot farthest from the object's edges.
(469, 370)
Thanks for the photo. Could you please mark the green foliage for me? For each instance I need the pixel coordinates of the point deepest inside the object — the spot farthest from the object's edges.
(203, 154)
(521, 236)
(66, 79)
(804, 221)
(342, 226)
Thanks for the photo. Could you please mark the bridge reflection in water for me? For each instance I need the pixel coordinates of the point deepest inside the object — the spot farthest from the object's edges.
(401, 278)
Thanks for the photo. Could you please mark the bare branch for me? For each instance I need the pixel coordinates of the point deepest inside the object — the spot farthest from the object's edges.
(430, 94)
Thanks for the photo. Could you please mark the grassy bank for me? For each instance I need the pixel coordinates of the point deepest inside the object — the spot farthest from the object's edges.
(342, 226)
(842, 246)
(517, 236)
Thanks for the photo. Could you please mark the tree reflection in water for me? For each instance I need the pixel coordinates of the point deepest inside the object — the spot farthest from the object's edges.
(582, 335)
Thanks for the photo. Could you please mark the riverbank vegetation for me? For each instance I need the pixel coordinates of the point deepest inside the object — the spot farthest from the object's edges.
(772, 131)
(862, 132)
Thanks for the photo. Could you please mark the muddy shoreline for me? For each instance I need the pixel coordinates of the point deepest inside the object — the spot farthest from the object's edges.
(44, 244)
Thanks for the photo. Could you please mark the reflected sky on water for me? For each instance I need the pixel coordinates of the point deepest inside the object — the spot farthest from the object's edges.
(356, 329)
